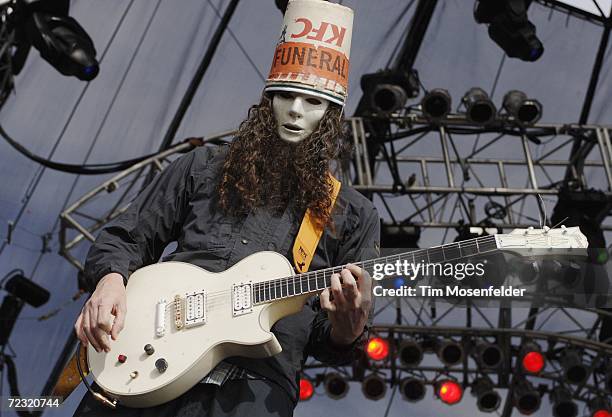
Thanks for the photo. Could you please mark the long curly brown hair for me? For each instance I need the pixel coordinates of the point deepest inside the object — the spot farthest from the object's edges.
(262, 170)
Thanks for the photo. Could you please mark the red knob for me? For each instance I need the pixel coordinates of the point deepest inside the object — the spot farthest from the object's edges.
(122, 358)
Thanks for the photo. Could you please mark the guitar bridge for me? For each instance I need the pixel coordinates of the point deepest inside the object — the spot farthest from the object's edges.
(241, 299)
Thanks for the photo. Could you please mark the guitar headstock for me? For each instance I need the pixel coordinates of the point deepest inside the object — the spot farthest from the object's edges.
(543, 239)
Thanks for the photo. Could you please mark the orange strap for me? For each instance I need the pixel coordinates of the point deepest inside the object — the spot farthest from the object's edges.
(310, 233)
(70, 378)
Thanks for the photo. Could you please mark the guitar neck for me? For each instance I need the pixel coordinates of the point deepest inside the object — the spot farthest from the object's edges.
(317, 281)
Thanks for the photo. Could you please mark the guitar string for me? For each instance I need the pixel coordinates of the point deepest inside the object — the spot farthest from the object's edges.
(276, 284)
(313, 276)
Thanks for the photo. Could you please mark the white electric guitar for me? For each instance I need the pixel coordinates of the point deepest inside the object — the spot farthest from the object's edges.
(183, 320)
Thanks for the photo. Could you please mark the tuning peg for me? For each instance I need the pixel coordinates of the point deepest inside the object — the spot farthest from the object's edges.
(564, 229)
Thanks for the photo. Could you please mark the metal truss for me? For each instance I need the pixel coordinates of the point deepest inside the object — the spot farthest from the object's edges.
(93, 210)
(554, 328)
(478, 177)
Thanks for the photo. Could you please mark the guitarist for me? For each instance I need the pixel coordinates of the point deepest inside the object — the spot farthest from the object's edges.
(221, 206)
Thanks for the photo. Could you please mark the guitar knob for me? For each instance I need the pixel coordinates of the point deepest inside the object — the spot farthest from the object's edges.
(149, 349)
(161, 364)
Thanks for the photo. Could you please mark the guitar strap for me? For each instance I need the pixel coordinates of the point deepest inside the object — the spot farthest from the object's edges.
(310, 233)
(70, 378)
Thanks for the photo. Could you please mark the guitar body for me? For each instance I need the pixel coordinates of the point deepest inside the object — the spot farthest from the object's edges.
(190, 351)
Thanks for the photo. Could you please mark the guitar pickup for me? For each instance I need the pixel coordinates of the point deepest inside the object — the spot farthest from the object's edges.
(190, 311)
(241, 299)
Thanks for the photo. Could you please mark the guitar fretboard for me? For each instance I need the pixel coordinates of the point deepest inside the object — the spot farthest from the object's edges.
(316, 281)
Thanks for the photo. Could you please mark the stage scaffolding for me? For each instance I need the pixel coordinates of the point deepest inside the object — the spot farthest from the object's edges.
(414, 185)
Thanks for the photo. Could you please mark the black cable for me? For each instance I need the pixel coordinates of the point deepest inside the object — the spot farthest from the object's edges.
(13, 384)
(88, 169)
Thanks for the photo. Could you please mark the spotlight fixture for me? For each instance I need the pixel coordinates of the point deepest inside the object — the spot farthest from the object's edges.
(449, 391)
(336, 386)
(449, 352)
(574, 370)
(306, 389)
(374, 387)
(532, 360)
(377, 349)
(27, 290)
(587, 209)
(412, 389)
(478, 106)
(20, 291)
(487, 355)
(567, 272)
(525, 111)
(600, 407)
(436, 104)
(525, 398)
(510, 28)
(388, 90)
(400, 235)
(410, 353)
(562, 404)
(528, 270)
(487, 399)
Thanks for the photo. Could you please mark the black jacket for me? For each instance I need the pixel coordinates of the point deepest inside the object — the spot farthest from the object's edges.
(180, 205)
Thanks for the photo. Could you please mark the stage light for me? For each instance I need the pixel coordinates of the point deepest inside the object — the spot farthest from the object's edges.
(585, 209)
(532, 359)
(336, 386)
(525, 111)
(306, 389)
(412, 389)
(525, 398)
(600, 407)
(449, 352)
(449, 391)
(387, 91)
(488, 355)
(478, 106)
(487, 399)
(436, 104)
(567, 272)
(63, 43)
(410, 353)
(527, 270)
(394, 236)
(574, 370)
(562, 404)
(510, 28)
(377, 349)
(374, 387)
(27, 290)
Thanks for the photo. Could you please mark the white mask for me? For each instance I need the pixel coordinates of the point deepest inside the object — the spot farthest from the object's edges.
(297, 114)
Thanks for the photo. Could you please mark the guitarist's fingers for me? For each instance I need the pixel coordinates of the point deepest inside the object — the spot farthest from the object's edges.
(326, 304)
(79, 330)
(336, 290)
(103, 326)
(364, 281)
(119, 321)
(351, 292)
(87, 329)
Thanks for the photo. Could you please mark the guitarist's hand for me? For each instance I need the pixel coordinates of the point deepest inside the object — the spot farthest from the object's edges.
(95, 322)
(349, 309)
